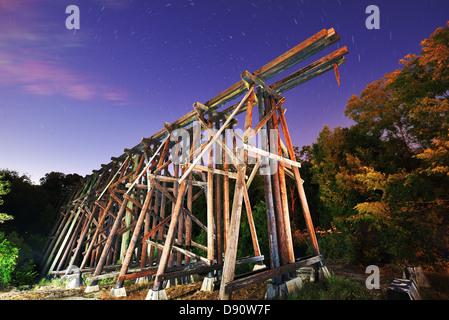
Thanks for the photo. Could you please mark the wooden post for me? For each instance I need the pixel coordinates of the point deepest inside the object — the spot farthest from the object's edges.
(277, 193)
(234, 227)
(269, 202)
(64, 241)
(225, 196)
(97, 231)
(128, 216)
(132, 243)
(218, 202)
(210, 208)
(170, 237)
(300, 187)
(71, 241)
(107, 246)
(82, 237)
(283, 189)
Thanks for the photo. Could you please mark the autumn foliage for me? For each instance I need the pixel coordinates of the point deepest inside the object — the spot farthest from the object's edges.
(383, 182)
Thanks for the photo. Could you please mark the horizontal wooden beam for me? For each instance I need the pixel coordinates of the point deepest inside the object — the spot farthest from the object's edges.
(311, 71)
(205, 268)
(181, 250)
(270, 273)
(200, 168)
(270, 155)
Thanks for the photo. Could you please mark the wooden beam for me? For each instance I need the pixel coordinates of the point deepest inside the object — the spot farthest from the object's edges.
(270, 155)
(311, 71)
(216, 136)
(267, 274)
(170, 235)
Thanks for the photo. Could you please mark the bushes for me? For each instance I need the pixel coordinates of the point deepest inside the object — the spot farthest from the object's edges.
(17, 267)
(8, 256)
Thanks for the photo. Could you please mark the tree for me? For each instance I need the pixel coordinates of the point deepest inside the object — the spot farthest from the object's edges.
(59, 186)
(383, 182)
(8, 256)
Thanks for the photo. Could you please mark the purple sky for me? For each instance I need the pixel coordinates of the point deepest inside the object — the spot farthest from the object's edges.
(71, 100)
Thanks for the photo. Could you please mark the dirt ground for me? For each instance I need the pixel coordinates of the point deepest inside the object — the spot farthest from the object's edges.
(192, 291)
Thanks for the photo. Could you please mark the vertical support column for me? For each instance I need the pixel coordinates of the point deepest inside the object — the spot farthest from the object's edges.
(234, 227)
(97, 231)
(302, 196)
(218, 157)
(225, 195)
(132, 244)
(155, 293)
(70, 245)
(93, 286)
(209, 281)
(81, 238)
(283, 189)
(281, 233)
(128, 216)
(266, 172)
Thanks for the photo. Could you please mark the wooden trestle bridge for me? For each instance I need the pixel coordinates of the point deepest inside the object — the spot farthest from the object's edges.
(133, 218)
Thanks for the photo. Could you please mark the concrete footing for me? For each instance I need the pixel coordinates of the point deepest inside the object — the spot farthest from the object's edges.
(306, 274)
(76, 282)
(90, 289)
(118, 292)
(283, 290)
(156, 295)
(209, 283)
(323, 273)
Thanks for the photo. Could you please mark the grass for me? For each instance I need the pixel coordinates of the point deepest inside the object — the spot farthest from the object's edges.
(333, 288)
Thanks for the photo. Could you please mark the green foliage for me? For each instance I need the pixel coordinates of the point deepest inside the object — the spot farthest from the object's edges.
(34, 208)
(25, 271)
(8, 256)
(383, 181)
(4, 189)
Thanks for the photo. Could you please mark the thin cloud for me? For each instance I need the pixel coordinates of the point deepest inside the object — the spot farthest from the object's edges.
(32, 58)
(49, 77)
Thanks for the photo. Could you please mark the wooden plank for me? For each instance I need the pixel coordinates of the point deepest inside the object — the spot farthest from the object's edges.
(299, 53)
(311, 71)
(136, 233)
(283, 190)
(210, 207)
(111, 236)
(216, 136)
(183, 251)
(252, 79)
(270, 155)
(170, 236)
(300, 188)
(228, 151)
(200, 168)
(205, 269)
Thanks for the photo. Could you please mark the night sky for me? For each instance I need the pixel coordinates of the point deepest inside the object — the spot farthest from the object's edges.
(72, 99)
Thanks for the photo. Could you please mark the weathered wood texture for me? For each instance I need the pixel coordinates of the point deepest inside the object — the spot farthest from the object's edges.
(134, 216)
